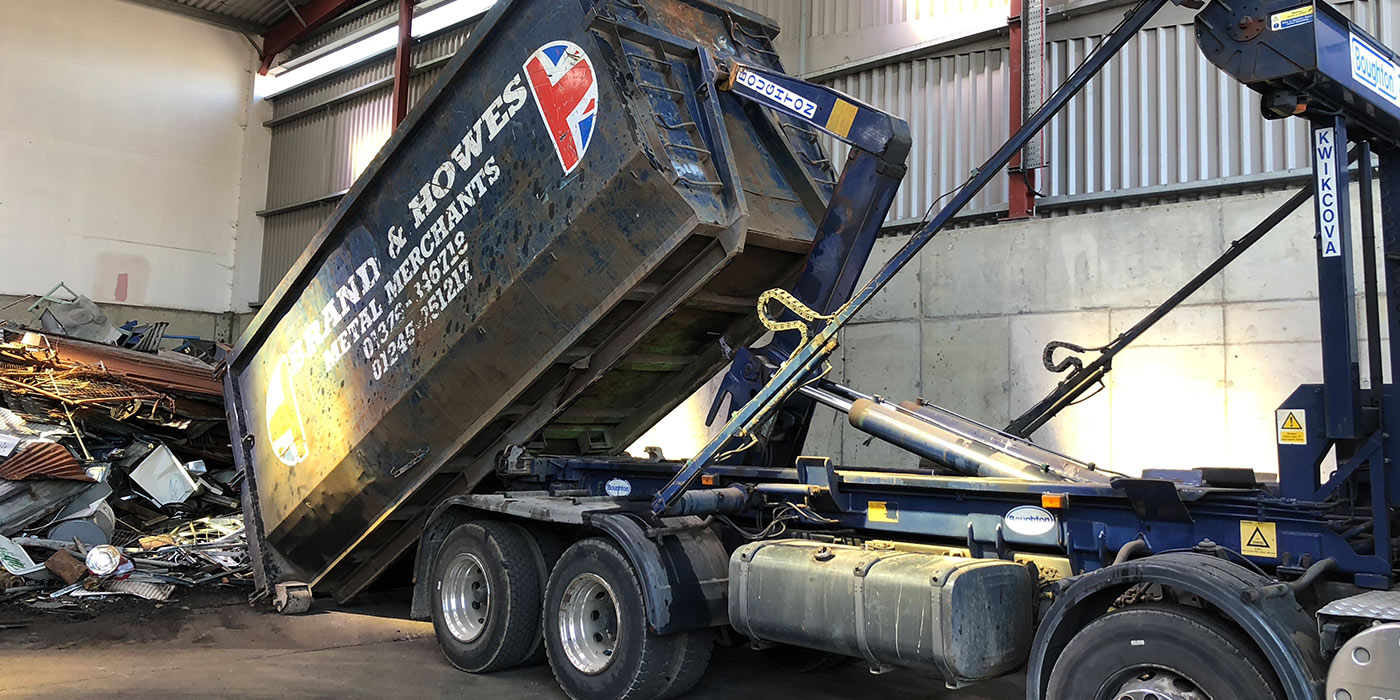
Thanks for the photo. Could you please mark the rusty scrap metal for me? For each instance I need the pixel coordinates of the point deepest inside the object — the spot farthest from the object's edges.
(65, 566)
(43, 459)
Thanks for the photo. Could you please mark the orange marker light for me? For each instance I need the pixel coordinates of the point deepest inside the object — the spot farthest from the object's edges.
(707, 479)
(1054, 500)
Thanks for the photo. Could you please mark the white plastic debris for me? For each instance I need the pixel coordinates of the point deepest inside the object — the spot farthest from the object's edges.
(164, 477)
(15, 559)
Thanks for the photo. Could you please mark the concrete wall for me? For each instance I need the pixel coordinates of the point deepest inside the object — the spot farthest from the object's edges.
(123, 138)
(966, 325)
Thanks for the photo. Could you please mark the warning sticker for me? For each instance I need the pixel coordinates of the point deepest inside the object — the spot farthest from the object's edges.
(882, 512)
(1291, 18)
(1258, 539)
(1292, 426)
(843, 115)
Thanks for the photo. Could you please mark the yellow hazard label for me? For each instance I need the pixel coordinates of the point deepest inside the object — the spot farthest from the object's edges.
(1292, 426)
(843, 114)
(882, 512)
(1258, 539)
(1291, 18)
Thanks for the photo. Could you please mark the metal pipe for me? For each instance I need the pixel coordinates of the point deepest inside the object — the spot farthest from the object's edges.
(1368, 266)
(1313, 573)
(827, 398)
(1065, 467)
(921, 436)
(730, 499)
(1127, 551)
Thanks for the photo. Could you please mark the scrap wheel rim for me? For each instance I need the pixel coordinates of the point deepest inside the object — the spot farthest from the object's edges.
(1158, 684)
(466, 597)
(588, 623)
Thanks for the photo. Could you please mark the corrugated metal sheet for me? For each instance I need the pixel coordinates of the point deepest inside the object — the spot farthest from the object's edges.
(836, 16)
(43, 459)
(284, 238)
(321, 91)
(947, 102)
(1159, 115)
(361, 17)
(299, 169)
(322, 140)
(263, 12)
(787, 13)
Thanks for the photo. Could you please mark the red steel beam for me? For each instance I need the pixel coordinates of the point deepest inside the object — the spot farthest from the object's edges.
(1021, 181)
(290, 30)
(403, 61)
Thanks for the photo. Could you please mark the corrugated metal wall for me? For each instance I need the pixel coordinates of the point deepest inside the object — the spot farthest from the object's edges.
(955, 106)
(1159, 117)
(323, 136)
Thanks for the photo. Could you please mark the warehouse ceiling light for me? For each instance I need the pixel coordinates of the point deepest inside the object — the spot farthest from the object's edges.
(437, 19)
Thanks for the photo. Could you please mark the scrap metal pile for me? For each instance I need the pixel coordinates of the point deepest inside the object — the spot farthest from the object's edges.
(116, 476)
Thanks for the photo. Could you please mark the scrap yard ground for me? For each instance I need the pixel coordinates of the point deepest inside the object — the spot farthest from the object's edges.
(213, 645)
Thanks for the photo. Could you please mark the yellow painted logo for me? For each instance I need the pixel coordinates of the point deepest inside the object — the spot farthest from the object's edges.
(284, 425)
(1292, 426)
(1258, 539)
(882, 512)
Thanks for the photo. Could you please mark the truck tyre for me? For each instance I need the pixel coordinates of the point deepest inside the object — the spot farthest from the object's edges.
(596, 634)
(551, 546)
(688, 663)
(486, 596)
(1166, 652)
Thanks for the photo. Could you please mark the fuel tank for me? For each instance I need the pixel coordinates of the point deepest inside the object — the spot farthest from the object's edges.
(968, 619)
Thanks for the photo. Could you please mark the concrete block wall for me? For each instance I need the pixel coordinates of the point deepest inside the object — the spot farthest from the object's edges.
(965, 325)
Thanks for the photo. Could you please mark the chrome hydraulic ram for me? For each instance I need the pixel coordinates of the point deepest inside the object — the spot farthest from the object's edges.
(953, 440)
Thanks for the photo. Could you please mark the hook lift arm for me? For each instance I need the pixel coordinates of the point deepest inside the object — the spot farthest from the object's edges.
(805, 361)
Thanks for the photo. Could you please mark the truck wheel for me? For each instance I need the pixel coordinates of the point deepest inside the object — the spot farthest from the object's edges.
(688, 662)
(595, 631)
(550, 546)
(486, 596)
(1161, 652)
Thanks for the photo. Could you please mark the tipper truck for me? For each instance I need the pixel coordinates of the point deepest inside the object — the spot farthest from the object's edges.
(602, 204)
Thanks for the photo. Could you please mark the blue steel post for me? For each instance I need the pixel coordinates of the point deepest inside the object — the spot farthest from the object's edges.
(1336, 295)
(1390, 240)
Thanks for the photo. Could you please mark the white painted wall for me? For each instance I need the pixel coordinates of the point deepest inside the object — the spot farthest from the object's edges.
(122, 149)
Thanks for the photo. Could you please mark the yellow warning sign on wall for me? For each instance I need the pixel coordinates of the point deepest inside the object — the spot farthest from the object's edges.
(1258, 539)
(1292, 426)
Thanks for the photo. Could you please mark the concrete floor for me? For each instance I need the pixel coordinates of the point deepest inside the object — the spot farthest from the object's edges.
(212, 645)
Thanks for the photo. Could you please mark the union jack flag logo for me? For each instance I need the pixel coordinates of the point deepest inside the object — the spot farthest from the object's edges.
(566, 91)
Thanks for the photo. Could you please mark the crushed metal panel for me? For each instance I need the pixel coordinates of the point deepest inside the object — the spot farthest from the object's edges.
(42, 459)
(24, 502)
